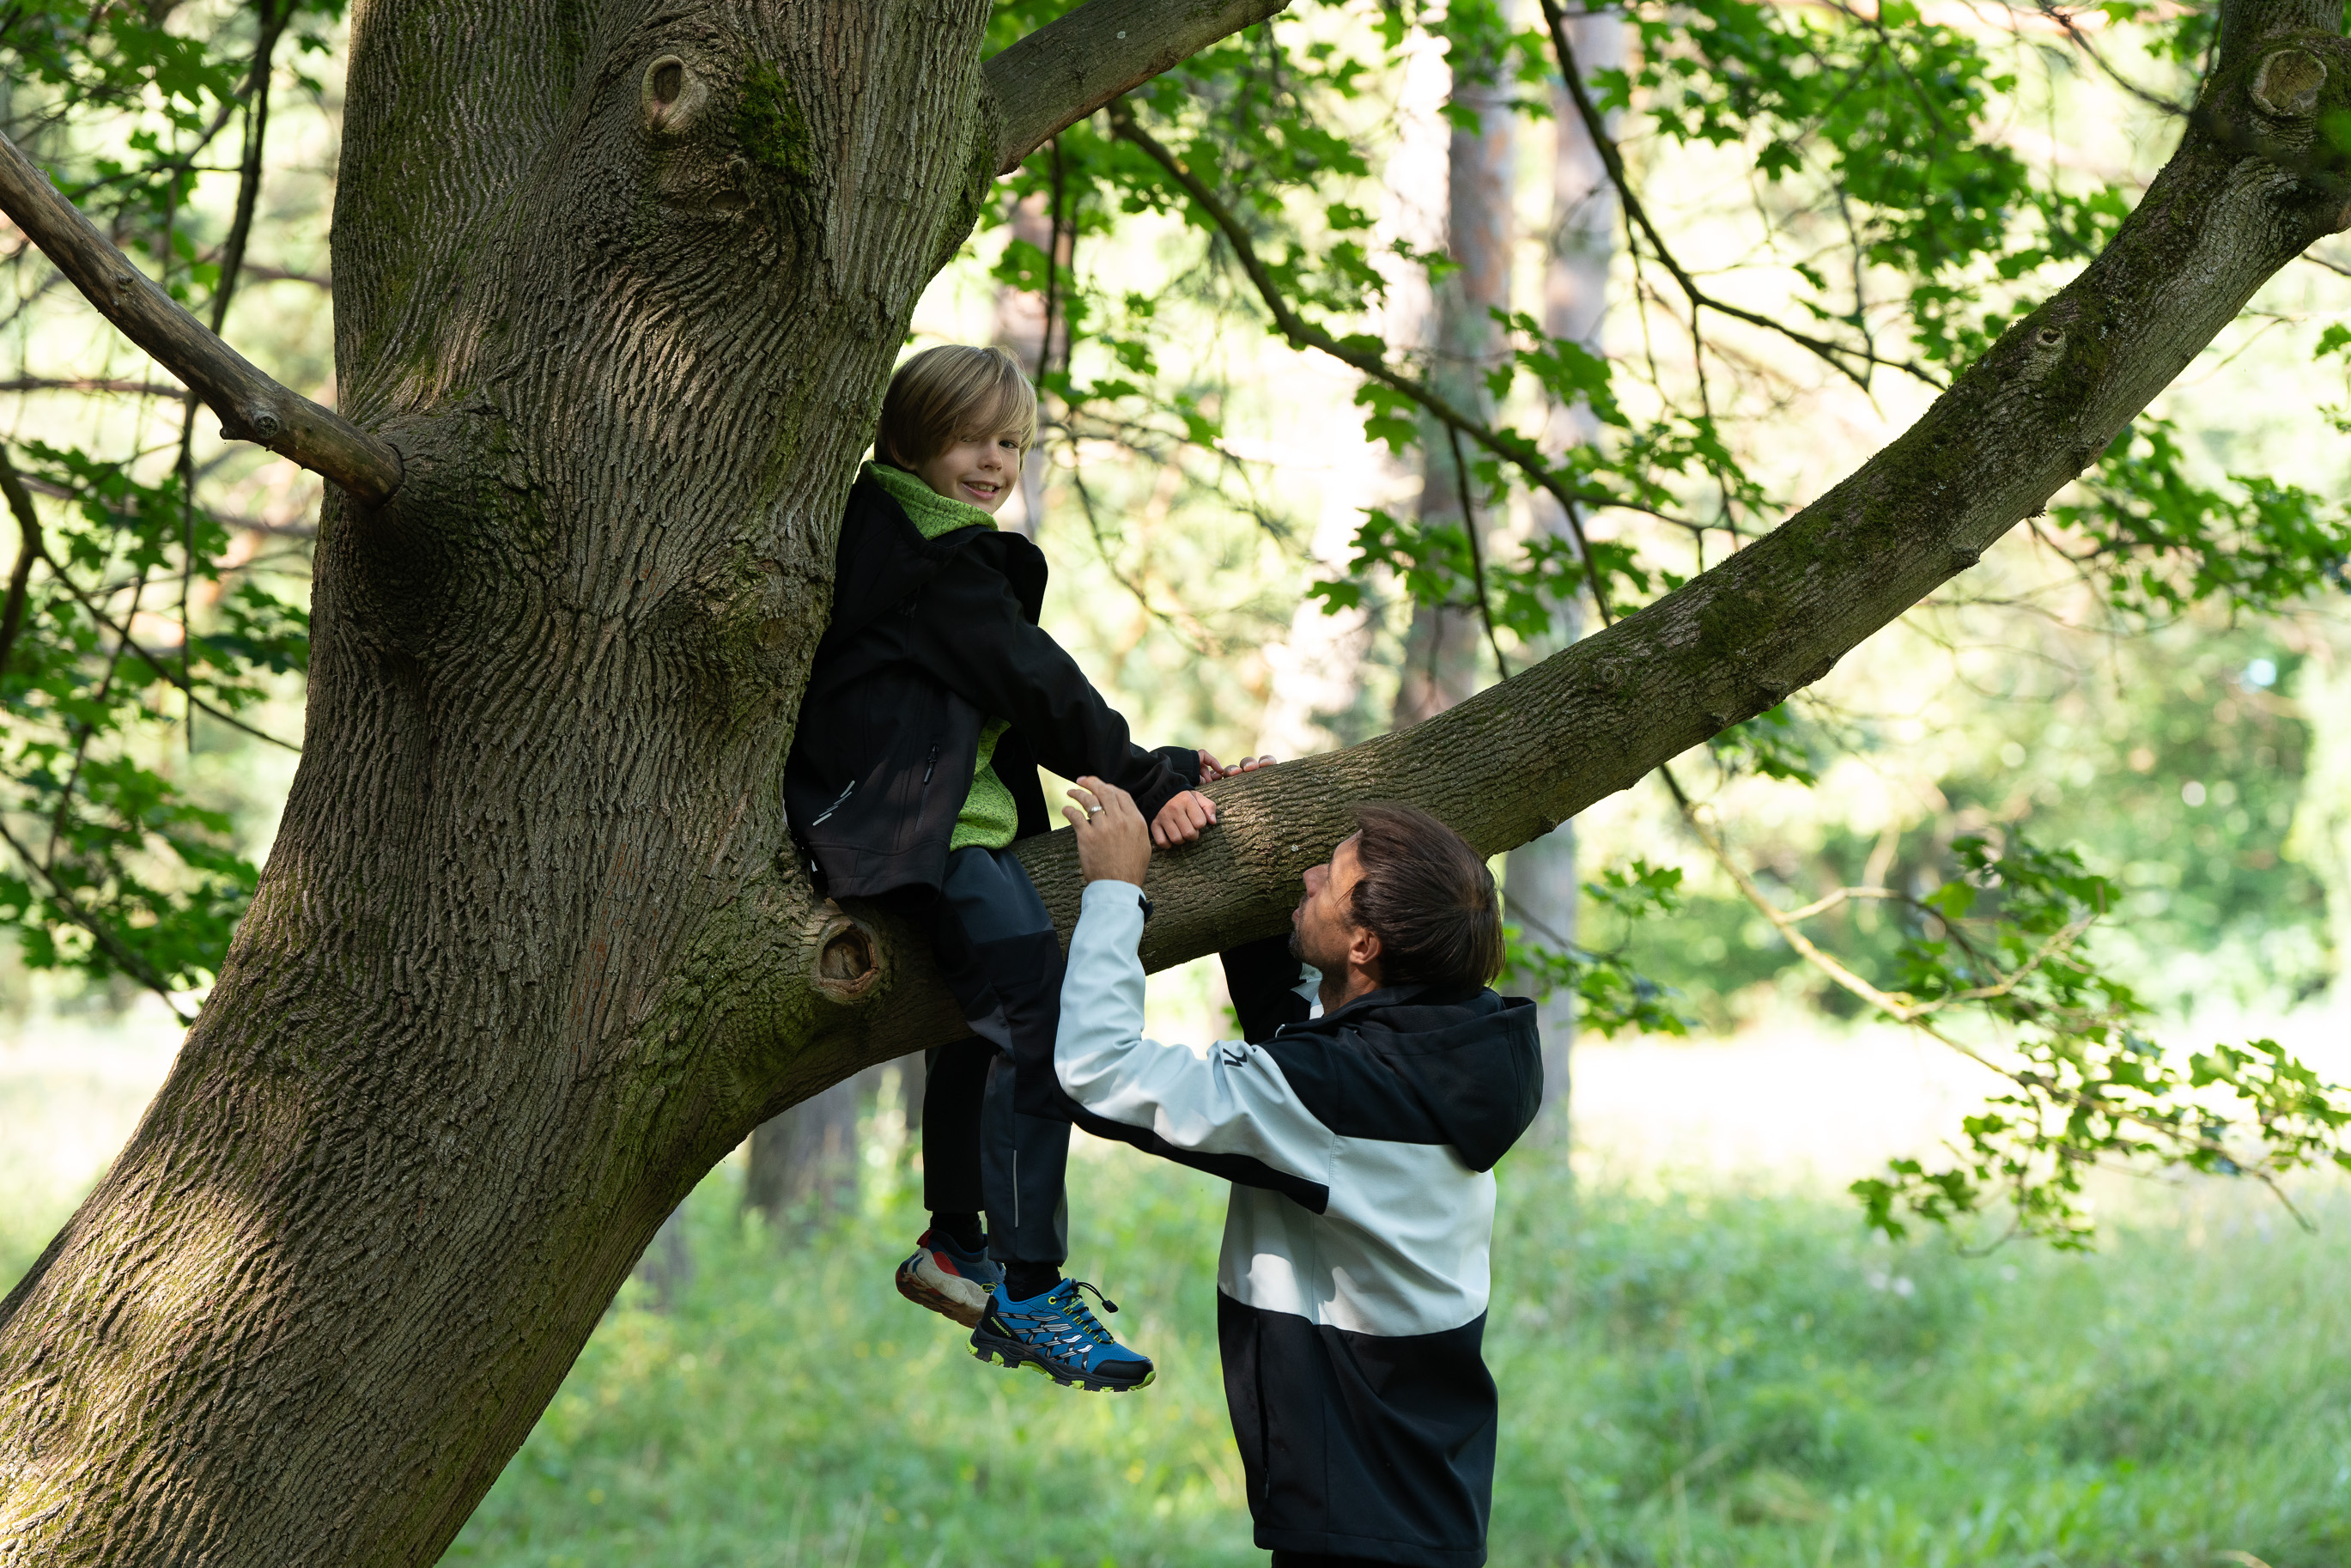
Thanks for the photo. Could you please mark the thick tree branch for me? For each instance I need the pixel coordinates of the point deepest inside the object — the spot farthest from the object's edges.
(1509, 764)
(252, 407)
(1059, 74)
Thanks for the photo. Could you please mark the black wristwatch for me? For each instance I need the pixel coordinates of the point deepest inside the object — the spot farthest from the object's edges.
(1145, 904)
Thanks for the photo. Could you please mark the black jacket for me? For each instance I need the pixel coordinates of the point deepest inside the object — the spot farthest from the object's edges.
(929, 639)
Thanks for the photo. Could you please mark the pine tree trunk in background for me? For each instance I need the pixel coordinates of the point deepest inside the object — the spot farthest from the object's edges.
(1445, 649)
(803, 1162)
(667, 1267)
(1315, 699)
(1020, 331)
(1539, 879)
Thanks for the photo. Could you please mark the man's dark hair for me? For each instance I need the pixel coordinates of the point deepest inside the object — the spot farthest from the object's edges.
(1427, 897)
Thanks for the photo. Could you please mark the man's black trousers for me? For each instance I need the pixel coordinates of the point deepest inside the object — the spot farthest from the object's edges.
(991, 1139)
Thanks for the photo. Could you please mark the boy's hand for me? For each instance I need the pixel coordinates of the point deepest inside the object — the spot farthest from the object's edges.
(1181, 819)
(1112, 843)
(1211, 770)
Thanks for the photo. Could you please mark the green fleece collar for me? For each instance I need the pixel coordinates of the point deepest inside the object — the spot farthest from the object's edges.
(931, 513)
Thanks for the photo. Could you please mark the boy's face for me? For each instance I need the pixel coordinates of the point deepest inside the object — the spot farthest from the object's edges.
(978, 469)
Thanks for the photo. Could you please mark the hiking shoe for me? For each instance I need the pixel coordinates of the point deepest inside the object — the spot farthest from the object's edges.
(948, 1280)
(1056, 1333)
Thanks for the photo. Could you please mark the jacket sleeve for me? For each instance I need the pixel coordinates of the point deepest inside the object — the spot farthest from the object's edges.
(1234, 1101)
(1262, 978)
(976, 640)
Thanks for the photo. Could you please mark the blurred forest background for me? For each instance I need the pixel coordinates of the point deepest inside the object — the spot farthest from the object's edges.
(1707, 1354)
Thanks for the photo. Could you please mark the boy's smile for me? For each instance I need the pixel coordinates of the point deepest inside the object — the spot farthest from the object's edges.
(977, 470)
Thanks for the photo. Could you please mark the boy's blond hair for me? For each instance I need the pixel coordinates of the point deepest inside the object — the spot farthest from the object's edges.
(943, 394)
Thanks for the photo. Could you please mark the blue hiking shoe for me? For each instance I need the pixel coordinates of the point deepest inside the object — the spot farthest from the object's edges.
(948, 1280)
(1056, 1333)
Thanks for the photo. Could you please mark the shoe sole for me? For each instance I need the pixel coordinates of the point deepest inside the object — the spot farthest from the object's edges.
(1013, 1355)
(918, 1290)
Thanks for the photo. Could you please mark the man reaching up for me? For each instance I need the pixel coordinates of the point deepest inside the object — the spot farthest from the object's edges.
(1360, 1135)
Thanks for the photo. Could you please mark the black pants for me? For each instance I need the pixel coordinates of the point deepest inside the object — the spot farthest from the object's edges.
(991, 1139)
(1316, 1560)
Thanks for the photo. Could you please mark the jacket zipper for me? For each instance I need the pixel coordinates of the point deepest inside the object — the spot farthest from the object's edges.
(930, 765)
(839, 801)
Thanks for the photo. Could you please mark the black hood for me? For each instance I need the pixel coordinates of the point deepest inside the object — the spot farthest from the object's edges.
(1474, 1063)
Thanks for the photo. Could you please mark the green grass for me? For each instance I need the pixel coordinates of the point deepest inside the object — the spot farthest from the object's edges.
(1703, 1379)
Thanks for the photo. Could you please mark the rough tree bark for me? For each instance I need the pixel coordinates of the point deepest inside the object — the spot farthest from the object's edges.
(620, 285)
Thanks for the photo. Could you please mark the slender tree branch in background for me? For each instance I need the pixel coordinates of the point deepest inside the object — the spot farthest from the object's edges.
(1477, 552)
(91, 384)
(29, 522)
(248, 191)
(1914, 1014)
(1054, 77)
(28, 549)
(252, 406)
(1839, 357)
(129, 962)
(273, 17)
(163, 671)
(1520, 453)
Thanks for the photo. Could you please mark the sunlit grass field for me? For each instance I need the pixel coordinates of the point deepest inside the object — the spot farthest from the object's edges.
(1717, 1377)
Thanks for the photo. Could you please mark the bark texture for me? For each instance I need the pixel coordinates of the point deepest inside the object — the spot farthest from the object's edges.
(622, 283)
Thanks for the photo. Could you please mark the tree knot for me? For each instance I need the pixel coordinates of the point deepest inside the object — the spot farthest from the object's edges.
(847, 964)
(2286, 84)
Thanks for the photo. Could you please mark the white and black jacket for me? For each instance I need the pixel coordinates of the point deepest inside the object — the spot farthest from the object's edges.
(1352, 1287)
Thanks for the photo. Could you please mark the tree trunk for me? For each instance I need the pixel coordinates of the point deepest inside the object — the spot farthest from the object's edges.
(622, 285)
(529, 957)
(1446, 644)
(804, 1159)
(1539, 879)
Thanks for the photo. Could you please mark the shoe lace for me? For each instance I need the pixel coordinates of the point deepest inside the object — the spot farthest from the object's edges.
(1070, 1302)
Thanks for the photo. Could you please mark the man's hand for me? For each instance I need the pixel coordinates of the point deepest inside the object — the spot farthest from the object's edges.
(1113, 845)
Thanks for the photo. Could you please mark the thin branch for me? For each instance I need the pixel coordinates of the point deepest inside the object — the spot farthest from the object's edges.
(1839, 357)
(129, 962)
(1513, 449)
(91, 384)
(240, 229)
(163, 671)
(252, 406)
(1050, 80)
(1477, 552)
(28, 549)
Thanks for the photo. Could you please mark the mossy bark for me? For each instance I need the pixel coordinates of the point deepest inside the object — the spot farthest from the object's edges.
(529, 953)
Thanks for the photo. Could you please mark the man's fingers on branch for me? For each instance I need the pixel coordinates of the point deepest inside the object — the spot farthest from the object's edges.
(1113, 844)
